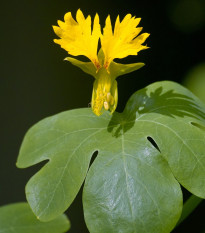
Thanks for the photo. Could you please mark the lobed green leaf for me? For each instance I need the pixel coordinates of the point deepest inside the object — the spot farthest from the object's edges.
(19, 218)
(144, 153)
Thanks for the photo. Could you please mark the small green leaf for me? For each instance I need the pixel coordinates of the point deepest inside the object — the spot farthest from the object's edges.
(143, 155)
(19, 218)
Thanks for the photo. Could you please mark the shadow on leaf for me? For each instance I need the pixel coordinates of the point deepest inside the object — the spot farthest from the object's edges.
(169, 103)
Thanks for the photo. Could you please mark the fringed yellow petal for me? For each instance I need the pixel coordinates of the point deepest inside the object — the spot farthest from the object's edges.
(58, 31)
(96, 26)
(79, 16)
(107, 31)
(124, 40)
(117, 25)
(77, 38)
(61, 24)
(96, 33)
(141, 39)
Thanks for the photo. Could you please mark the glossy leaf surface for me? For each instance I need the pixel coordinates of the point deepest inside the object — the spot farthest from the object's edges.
(143, 155)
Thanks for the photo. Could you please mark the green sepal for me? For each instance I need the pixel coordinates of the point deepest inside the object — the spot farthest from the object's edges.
(87, 67)
(118, 69)
(115, 69)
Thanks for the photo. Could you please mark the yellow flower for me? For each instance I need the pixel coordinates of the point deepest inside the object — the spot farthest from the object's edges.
(77, 38)
(124, 41)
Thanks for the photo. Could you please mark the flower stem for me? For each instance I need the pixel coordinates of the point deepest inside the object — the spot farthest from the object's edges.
(189, 207)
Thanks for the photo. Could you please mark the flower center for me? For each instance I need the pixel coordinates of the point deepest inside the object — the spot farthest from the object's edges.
(105, 100)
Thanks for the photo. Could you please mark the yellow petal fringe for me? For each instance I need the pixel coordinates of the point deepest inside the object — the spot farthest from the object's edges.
(124, 41)
(77, 38)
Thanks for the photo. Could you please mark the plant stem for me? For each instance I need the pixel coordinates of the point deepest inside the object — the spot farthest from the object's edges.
(189, 207)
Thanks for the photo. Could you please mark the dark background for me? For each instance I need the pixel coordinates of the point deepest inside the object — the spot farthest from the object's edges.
(35, 82)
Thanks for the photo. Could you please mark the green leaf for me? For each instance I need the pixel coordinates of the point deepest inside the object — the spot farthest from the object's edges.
(131, 190)
(143, 155)
(19, 218)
